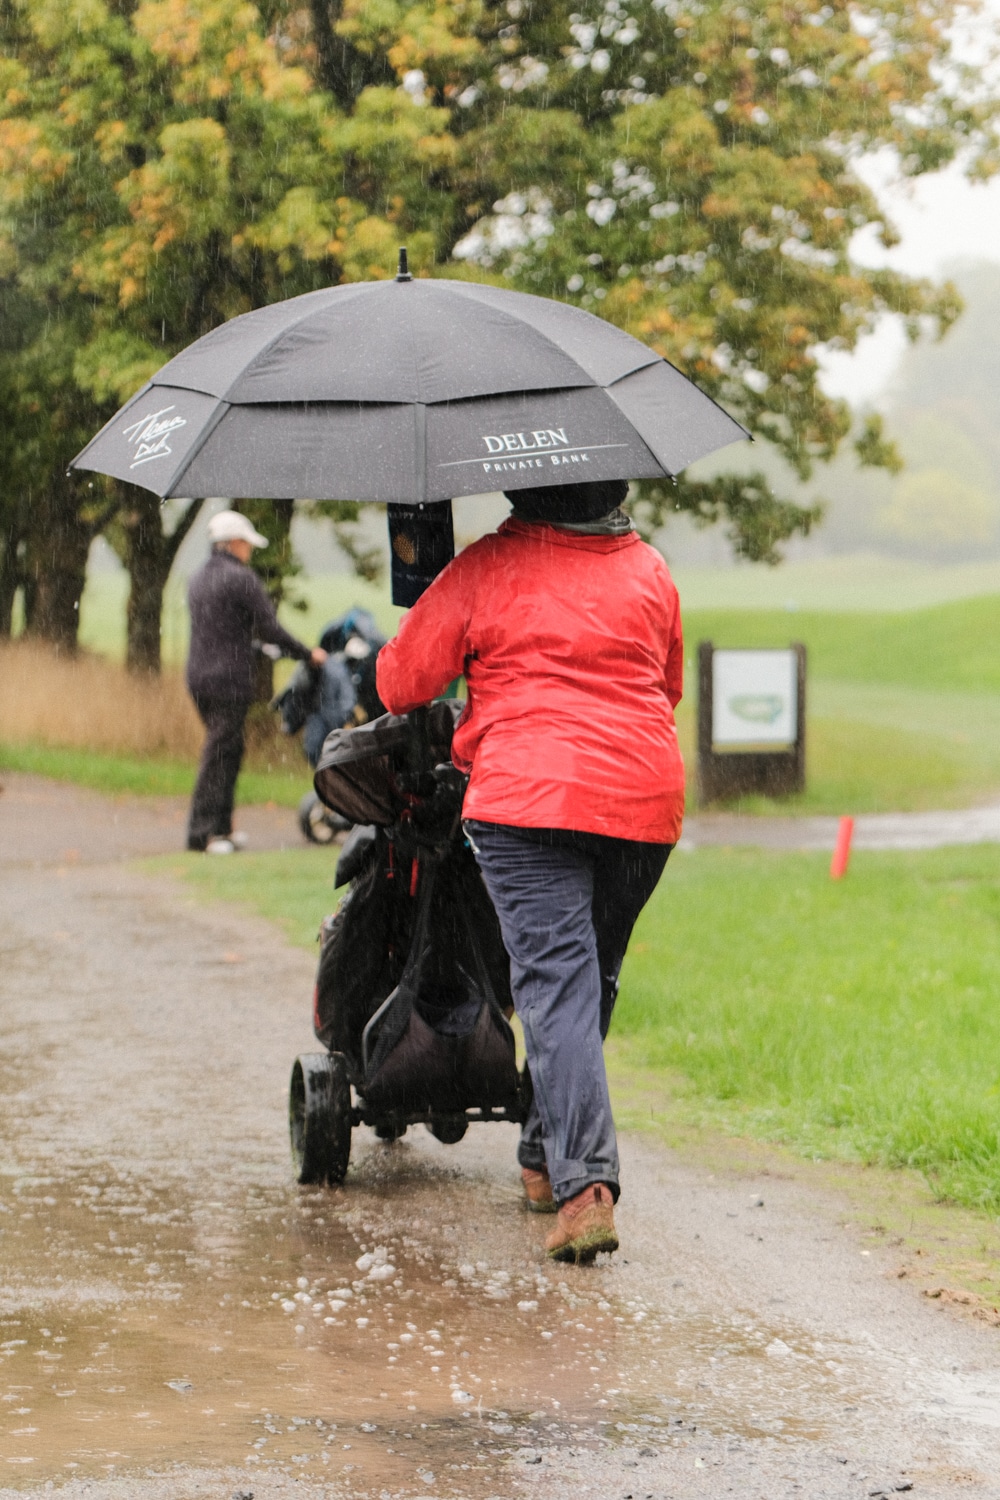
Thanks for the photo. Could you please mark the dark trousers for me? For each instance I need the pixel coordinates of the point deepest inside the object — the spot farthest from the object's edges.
(567, 903)
(221, 756)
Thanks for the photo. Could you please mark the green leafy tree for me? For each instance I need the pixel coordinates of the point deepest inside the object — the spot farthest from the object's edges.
(684, 169)
(47, 521)
(163, 168)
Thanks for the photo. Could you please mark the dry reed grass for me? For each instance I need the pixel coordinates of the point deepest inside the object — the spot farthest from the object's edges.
(89, 703)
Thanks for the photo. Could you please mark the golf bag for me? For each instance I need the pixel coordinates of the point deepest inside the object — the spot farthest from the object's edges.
(340, 693)
(413, 987)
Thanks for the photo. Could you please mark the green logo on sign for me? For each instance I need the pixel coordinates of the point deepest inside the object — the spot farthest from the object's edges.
(757, 708)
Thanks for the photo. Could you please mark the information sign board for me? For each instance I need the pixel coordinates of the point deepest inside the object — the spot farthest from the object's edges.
(751, 722)
(754, 698)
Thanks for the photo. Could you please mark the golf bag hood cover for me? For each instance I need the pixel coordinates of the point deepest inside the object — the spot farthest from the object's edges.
(355, 774)
(568, 504)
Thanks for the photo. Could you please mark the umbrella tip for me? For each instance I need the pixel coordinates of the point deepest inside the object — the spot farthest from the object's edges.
(403, 270)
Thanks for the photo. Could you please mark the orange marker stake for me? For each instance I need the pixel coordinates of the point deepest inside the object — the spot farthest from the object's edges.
(842, 849)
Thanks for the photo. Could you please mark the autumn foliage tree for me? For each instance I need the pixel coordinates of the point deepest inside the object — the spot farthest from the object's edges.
(687, 170)
(684, 169)
(162, 168)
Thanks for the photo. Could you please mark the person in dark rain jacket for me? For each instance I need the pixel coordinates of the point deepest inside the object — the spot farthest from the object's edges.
(230, 610)
(566, 626)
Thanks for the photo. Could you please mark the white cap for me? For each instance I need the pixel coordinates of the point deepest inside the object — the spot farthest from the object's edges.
(230, 526)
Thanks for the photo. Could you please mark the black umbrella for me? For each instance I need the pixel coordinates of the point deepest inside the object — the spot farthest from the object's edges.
(409, 391)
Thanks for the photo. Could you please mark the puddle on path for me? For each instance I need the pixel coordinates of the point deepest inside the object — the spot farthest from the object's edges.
(406, 1325)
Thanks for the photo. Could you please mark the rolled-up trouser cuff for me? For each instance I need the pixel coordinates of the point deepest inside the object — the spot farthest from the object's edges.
(571, 1177)
(532, 1155)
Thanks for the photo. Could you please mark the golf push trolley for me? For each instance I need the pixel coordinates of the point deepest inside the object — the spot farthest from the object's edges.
(412, 998)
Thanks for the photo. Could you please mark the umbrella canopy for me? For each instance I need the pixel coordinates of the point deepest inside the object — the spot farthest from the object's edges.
(407, 390)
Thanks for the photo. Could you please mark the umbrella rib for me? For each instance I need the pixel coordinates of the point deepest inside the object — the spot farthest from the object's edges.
(75, 463)
(470, 291)
(222, 407)
(717, 404)
(420, 423)
(264, 348)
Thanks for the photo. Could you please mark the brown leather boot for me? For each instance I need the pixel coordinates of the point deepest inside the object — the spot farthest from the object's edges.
(538, 1191)
(585, 1227)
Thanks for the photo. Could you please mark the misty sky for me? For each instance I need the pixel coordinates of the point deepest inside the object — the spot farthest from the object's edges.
(942, 218)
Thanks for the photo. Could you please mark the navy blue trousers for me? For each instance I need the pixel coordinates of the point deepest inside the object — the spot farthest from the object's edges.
(567, 903)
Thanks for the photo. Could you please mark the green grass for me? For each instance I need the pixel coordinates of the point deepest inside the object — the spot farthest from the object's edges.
(853, 1019)
(120, 775)
(904, 706)
(846, 582)
(292, 887)
(950, 648)
(102, 611)
(859, 768)
(903, 709)
(878, 755)
(853, 766)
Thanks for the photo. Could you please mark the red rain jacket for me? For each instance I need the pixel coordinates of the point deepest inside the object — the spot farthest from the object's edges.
(571, 648)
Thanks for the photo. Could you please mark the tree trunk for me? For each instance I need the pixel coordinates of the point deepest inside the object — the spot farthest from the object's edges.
(275, 564)
(150, 555)
(56, 563)
(147, 581)
(10, 579)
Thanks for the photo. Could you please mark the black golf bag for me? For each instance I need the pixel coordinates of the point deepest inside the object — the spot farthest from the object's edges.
(413, 986)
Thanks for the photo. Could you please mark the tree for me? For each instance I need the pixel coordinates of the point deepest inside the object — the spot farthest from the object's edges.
(685, 169)
(147, 550)
(47, 521)
(162, 168)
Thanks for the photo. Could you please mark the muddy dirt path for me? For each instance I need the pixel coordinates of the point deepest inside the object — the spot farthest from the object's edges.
(178, 1319)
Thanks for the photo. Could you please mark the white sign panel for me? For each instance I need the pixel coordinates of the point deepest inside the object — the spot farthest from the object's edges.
(754, 698)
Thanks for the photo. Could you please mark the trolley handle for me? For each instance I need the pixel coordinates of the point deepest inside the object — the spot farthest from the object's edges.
(421, 762)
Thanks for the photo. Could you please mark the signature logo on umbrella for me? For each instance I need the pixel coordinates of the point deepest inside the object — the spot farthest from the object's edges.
(757, 708)
(149, 435)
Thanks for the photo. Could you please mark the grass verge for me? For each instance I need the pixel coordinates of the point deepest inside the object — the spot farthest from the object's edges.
(947, 648)
(291, 887)
(859, 767)
(124, 775)
(903, 712)
(855, 1021)
(853, 768)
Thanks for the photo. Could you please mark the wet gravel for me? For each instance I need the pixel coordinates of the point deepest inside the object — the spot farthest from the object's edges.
(177, 1319)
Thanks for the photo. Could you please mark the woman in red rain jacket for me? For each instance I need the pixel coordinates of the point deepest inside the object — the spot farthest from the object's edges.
(566, 626)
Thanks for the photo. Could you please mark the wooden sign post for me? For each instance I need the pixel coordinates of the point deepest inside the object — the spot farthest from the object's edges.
(751, 722)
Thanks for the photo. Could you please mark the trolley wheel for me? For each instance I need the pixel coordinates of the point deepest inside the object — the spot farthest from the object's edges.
(315, 822)
(448, 1129)
(319, 1117)
(390, 1130)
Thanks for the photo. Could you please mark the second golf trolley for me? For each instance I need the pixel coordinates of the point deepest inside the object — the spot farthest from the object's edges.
(318, 700)
(412, 994)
